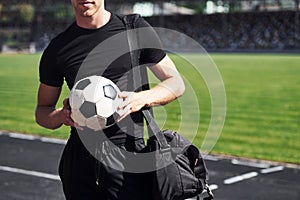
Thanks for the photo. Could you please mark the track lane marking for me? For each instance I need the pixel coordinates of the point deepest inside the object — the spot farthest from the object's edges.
(272, 169)
(213, 186)
(53, 140)
(32, 138)
(249, 163)
(21, 136)
(240, 178)
(30, 173)
(211, 158)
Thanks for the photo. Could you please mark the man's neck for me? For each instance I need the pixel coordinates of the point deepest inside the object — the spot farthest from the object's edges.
(93, 22)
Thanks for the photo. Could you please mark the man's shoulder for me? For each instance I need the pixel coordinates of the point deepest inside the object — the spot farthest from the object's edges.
(65, 33)
(61, 38)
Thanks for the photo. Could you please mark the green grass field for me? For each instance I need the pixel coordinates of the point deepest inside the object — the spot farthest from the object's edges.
(263, 103)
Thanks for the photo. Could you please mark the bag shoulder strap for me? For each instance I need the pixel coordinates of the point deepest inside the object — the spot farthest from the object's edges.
(130, 20)
(132, 37)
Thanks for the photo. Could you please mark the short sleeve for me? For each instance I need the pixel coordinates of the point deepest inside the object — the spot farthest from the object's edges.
(49, 73)
(152, 51)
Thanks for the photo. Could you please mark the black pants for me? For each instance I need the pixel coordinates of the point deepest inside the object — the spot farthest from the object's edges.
(79, 171)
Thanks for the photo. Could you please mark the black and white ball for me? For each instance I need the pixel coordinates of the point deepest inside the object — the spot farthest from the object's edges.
(94, 101)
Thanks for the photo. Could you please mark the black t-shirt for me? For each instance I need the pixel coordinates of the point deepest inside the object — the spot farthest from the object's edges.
(78, 52)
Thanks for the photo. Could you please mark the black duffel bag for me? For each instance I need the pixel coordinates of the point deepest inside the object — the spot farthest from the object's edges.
(180, 172)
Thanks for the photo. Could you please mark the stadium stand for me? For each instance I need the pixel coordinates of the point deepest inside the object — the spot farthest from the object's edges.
(238, 31)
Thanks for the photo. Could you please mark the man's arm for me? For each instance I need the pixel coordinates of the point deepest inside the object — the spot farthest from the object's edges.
(170, 88)
(46, 114)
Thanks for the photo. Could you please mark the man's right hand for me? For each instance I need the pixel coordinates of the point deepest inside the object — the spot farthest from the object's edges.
(66, 115)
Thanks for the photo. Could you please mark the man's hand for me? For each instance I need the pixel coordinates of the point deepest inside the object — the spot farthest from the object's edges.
(46, 114)
(65, 113)
(132, 102)
(170, 88)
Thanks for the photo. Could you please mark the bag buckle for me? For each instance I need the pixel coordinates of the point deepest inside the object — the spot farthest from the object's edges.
(206, 193)
(209, 192)
(165, 149)
(165, 153)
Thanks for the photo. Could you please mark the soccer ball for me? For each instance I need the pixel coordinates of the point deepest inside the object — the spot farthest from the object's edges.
(94, 101)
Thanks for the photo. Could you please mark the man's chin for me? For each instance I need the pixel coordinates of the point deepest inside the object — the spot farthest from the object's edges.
(87, 14)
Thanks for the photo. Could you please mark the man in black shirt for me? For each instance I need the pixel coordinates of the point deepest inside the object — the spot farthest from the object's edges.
(63, 60)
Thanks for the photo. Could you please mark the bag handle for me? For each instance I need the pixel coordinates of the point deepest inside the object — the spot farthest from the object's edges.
(132, 38)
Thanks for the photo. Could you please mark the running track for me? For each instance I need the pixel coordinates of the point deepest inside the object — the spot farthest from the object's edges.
(28, 171)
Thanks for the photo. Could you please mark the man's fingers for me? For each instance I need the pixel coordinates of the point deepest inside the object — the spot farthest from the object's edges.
(66, 101)
(66, 104)
(125, 94)
(123, 115)
(130, 104)
(123, 105)
(124, 111)
(69, 122)
(77, 126)
(67, 112)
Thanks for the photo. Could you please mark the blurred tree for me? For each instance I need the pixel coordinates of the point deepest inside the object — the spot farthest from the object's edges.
(26, 12)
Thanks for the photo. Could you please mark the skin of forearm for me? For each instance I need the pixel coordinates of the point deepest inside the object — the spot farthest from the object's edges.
(164, 93)
(48, 117)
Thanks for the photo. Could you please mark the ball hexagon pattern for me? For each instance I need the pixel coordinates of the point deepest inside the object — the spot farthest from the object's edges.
(94, 101)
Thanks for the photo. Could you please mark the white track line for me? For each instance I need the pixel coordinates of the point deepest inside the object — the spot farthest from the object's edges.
(31, 137)
(30, 173)
(272, 169)
(211, 158)
(53, 140)
(213, 187)
(249, 164)
(21, 136)
(240, 178)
